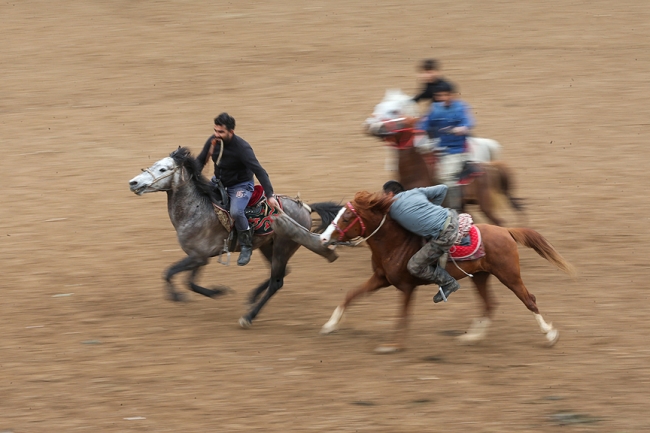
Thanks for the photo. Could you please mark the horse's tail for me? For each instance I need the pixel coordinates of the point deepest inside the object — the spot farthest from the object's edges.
(327, 211)
(532, 239)
(505, 179)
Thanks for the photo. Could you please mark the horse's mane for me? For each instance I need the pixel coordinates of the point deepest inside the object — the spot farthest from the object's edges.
(183, 158)
(372, 202)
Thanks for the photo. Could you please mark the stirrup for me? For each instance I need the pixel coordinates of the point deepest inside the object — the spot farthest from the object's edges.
(442, 293)
(220, 260)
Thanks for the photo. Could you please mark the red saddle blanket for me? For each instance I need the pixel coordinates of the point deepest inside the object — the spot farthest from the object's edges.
(472, 251)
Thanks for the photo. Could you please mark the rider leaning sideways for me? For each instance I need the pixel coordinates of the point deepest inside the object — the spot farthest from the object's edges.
(419, 211)
(234, 165)
(450, 122)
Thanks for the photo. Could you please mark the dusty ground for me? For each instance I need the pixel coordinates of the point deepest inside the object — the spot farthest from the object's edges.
(93, 91)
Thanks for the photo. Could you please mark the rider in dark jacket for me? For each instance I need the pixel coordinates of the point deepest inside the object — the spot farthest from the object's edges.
(431, 79)
(234, 165)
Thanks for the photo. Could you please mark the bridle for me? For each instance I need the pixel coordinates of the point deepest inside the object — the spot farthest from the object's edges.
(394, 128)
(358, 219)
(158, 179)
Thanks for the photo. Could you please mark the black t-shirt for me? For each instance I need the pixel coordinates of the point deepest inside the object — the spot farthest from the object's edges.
(238, 163)
(430, 90)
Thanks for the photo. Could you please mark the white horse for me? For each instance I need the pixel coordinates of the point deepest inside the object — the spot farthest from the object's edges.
(397, 105)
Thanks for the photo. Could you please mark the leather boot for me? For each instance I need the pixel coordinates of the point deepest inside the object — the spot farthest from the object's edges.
(246, 242)
(447, 282)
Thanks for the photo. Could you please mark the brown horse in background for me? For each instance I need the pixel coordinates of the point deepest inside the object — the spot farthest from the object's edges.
(418, 169)
(392, 246)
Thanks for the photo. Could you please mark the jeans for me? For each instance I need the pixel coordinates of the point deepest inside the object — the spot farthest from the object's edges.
(239, 196)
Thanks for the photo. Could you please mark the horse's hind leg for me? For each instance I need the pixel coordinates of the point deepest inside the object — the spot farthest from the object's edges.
(512, 280)
(478, 329)
(373, 284)
(189, 263)
(267, 253)
(485, 200)
(282, 251)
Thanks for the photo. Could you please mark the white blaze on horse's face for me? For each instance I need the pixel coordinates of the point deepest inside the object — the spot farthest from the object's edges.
(158, 177)
(326, 236)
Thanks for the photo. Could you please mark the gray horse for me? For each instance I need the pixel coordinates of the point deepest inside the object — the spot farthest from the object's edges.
(202, 236)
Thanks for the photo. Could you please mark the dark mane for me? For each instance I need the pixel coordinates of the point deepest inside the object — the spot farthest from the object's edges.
(183, 158)
(372, 202)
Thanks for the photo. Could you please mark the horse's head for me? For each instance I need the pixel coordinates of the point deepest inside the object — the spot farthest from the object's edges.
(346, 226)
(357, 218)
(158, 177)
(393, 119)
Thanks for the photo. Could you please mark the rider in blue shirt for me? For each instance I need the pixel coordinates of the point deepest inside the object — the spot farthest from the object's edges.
(450, 121)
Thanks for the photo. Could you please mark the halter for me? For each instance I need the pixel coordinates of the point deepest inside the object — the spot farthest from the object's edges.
(164, 176)
(398, 128)
(360, 238)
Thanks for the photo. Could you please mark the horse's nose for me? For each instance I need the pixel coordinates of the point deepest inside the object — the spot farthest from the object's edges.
(133, 183)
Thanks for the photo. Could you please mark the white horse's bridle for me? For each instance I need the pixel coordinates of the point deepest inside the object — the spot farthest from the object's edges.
(158, 179)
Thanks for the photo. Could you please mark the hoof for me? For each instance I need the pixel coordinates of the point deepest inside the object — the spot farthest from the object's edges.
(386, 349)
(469, 339)
(220, 291)
(552, 337)
(325, 330)
(176, 297)
(245, 323)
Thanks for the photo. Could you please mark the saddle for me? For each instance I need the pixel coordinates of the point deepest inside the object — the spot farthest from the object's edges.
(258, 211)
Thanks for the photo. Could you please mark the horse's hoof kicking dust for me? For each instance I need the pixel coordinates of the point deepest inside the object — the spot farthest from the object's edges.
(245, 323)
(552, 337)
(386, 349)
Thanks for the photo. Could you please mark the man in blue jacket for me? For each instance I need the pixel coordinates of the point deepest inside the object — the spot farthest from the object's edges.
(418, 210)
(450, 121)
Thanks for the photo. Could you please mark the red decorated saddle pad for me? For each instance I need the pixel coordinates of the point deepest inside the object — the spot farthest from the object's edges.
(259, 213)
(471, 250)
(261, 216)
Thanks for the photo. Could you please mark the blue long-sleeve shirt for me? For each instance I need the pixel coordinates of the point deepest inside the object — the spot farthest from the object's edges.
(441, 119)
(418, 210)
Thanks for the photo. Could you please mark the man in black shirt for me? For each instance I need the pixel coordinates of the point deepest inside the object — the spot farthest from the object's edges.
(235, 164)
(431, 79)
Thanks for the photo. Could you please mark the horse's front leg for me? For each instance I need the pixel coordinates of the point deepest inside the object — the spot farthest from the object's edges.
(210, 293)
(401, 330)
(189, 263)
(375, 283)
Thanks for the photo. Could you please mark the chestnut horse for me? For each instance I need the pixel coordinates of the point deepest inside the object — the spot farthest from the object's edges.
(392, 246)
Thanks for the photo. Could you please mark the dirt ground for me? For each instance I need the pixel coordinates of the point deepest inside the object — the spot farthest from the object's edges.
(94, 91)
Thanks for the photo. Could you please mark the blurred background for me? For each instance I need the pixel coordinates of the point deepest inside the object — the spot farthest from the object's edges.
(94, 91)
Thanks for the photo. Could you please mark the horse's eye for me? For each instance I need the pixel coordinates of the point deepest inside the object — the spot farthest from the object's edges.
(162, 170)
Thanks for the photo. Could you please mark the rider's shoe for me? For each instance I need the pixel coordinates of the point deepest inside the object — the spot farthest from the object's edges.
(246, 242)
(447, 282)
